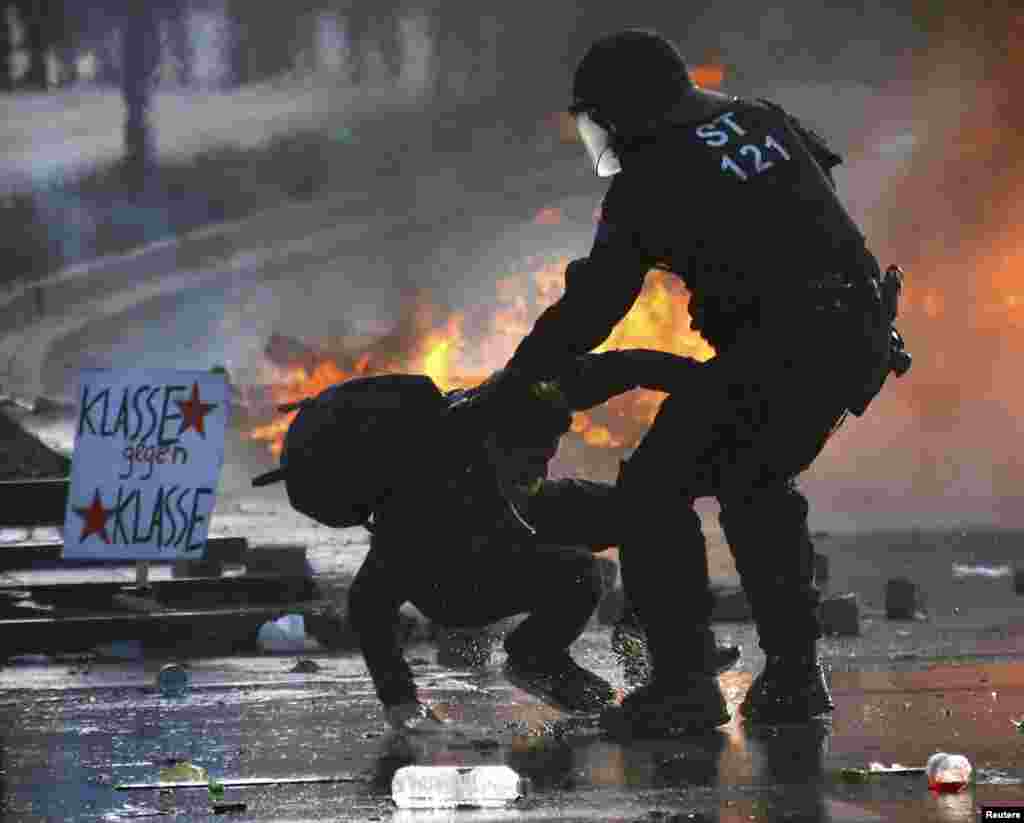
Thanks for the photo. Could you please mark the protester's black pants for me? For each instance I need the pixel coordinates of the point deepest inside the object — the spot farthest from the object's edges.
(754, 417)
(488, 580)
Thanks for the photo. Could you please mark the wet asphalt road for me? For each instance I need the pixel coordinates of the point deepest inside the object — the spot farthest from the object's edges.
(75, 731)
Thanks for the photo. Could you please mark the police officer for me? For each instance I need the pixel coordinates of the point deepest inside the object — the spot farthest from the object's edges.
(734, 196)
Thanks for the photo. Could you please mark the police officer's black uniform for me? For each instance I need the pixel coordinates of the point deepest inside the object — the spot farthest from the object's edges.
(736, 198)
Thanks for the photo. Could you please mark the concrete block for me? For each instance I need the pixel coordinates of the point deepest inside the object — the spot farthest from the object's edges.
(277, 561)
(840, 615)
(197, 568)
(902, 599)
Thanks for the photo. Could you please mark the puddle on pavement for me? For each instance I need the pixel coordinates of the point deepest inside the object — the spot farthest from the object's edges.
(89, 740)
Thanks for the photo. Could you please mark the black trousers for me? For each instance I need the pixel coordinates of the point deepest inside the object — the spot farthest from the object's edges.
(754, 417)
(488, 580)
(458, 581)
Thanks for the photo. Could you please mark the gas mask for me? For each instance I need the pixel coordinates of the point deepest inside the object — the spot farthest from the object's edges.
(597, 141)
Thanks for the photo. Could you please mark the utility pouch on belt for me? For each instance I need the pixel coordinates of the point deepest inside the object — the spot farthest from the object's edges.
(887, 350)
(877, 296)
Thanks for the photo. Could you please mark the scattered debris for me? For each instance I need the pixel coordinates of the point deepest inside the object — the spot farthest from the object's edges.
(851, 775)
(948, 773)
(902, 599)
(960, 571)
(175, 770)
(840, 615)
(240, 783)
(286, 634)
(131, 811)
(440, 787)
(222, 808)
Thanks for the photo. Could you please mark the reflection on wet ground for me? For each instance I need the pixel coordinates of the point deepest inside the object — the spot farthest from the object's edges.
(71, 737)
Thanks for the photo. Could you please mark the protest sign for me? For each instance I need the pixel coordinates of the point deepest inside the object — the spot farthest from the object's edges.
(149, 447)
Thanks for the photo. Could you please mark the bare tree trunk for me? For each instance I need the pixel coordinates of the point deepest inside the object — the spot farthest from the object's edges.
(176, 24)
(140, 50)
(34, 15)
(6, 52)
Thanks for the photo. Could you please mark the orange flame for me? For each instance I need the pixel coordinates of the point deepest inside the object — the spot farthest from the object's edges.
(709, 75)
(453, 356)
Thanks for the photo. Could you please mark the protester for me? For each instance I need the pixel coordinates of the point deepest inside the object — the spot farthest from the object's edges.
(476, 533)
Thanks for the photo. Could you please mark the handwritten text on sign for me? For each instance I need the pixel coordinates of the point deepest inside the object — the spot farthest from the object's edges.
(149, 447)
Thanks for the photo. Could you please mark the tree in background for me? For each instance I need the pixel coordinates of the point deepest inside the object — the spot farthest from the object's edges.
(43, 25)
(140, 54)
(263, 46)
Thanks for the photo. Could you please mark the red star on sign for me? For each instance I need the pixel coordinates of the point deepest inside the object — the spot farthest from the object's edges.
(95, 517)
(194, 411)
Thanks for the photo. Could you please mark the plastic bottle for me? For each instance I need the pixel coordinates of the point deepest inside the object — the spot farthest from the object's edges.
(286, 634)
(948, 773)
(448, 787)
(172, 680)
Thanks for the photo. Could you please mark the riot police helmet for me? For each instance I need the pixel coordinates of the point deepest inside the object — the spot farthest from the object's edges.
(629, 84)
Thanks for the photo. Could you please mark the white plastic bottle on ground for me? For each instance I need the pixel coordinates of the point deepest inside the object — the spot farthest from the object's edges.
(449, 787)
(948, 772)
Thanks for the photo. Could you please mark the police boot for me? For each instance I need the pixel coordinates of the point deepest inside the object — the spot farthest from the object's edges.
(629, 645)
(790, 689)
(683, 696)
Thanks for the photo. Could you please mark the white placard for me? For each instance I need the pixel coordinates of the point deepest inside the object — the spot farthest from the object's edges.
(149, 446)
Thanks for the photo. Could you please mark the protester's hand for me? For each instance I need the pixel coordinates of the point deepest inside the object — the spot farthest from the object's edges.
(411, 716)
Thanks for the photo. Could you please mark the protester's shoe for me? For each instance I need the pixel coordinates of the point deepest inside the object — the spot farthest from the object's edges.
(693, 704)
(791, 689)
(562, 682)
(629, 645)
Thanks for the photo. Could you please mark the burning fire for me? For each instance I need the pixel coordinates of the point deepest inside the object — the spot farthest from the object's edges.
(463, 348)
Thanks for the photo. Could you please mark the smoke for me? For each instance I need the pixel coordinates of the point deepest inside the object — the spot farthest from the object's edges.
(920, 107)
(942, 442)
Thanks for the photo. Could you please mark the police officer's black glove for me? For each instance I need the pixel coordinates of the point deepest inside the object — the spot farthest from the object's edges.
(479, 409)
